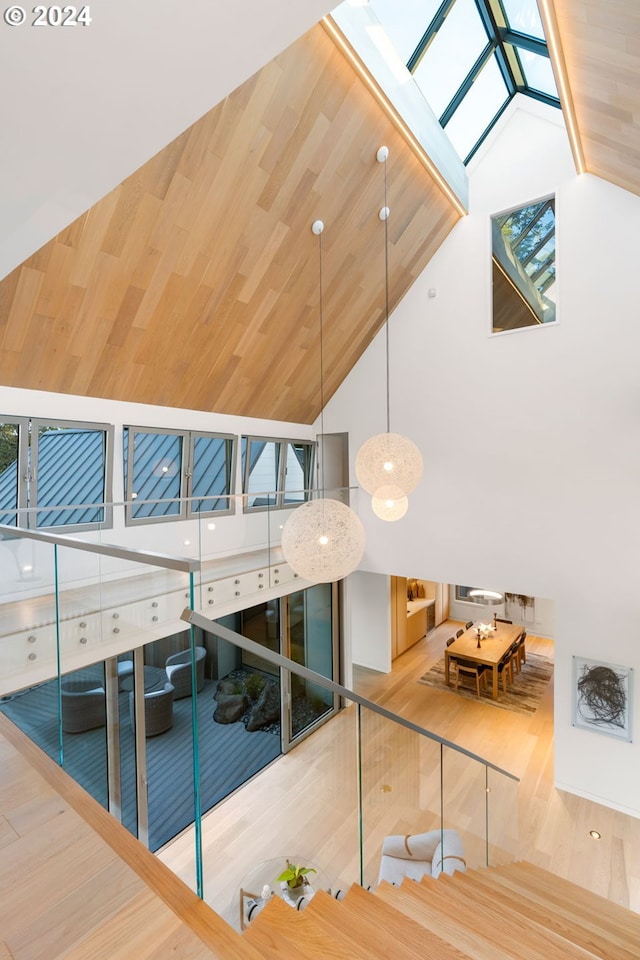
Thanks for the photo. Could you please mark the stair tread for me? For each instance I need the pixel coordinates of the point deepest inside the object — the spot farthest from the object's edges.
(279, 928)
(487, 914)
(382, 928)
(513, 926)
(583, 902)
(441, 925)
(513, 934)
(587, 929)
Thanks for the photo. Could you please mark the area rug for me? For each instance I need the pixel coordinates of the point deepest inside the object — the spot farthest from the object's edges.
(522, 696)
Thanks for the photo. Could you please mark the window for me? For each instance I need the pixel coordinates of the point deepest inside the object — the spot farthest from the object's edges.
(470, 58)
(62, 466)
(524, 266)
(478, 595)
(171, 475)
(275, 473)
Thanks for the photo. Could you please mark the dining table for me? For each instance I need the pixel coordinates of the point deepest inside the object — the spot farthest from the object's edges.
(487, 651)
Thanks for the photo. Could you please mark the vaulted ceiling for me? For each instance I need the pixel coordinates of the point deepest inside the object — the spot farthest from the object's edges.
(195, 283)
(601, 44)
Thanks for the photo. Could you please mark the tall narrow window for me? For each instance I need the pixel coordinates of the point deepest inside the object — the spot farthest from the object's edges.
(154, 473)
(9, 470)
(260, 470)
(298, 467)
(211, 473)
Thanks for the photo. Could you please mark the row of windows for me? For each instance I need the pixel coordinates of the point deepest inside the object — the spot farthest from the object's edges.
(168, 474)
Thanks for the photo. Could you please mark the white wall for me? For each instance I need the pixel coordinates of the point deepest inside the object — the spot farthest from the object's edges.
(368, 620)
(530, 439)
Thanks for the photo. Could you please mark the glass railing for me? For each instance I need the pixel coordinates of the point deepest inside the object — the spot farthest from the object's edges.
(93, 635)
(363, 783)
(249, 525)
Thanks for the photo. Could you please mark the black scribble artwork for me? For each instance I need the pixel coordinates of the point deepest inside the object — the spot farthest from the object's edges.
(602, 698)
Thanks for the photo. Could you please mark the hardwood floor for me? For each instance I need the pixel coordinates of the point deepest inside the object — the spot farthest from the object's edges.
(305, 804)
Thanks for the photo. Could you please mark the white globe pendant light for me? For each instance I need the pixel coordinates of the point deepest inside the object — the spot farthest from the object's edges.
(323, 540)
(389, 465)
(388, 460)
(388, 506)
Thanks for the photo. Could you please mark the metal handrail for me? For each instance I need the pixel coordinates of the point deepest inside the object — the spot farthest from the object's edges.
(105, 504)
(211, 626)
(184, 564)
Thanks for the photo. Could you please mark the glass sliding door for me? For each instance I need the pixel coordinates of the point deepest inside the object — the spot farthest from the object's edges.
(311, 642)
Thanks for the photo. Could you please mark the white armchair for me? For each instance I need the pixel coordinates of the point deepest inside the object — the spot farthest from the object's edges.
(421, 854)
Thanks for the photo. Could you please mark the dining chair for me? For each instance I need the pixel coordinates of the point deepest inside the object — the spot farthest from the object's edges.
(468, 624)
(500, 620)
(505, 667)
(450, 641)
(476, 671)
(519, 656)
(523, 648)
(459, 633)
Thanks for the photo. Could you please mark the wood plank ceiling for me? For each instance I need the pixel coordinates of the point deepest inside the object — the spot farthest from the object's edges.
(601, 45)
(195, 282)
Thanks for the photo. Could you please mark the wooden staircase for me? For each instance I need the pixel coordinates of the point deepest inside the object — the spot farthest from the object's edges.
(499, 913)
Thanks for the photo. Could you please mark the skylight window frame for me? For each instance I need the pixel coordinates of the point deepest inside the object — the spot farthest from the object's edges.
(503, 43)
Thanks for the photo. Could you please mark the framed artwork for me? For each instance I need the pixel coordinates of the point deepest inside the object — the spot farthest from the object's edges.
(602, 697)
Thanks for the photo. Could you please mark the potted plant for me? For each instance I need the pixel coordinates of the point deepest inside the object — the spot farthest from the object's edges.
(295, 878)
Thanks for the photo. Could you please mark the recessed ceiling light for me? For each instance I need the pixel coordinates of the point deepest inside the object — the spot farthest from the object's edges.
(211, 526)
(187, 543)
(595, 835)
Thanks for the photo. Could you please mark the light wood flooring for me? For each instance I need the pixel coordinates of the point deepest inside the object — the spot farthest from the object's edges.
(304, 805)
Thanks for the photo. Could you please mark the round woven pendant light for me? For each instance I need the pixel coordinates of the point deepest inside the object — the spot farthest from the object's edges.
(388, 460)
(323, 540)
(388, 465)
(388, 505)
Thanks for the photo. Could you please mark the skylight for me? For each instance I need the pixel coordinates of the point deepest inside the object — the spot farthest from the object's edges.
(470, 58)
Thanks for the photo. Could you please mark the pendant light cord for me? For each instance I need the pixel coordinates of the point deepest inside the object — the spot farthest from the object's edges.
(386, 289)
(321, 363)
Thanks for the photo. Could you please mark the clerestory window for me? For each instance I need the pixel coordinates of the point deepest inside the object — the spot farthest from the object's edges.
(275, 473)
(177, 475)
(55, 473)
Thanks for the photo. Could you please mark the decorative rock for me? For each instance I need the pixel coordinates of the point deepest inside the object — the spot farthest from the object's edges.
(266, 708)
(230, 707)
(228, 688)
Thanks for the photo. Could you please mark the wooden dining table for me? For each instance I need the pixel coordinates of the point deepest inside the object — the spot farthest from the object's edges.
(491, 650)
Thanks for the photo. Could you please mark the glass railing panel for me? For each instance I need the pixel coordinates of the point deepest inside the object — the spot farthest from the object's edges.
(127, 783)
(27, 625)
(464, 810)
(84, 734)
(83, 688)
(301, 811)
(400, 772)
(502, 818)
